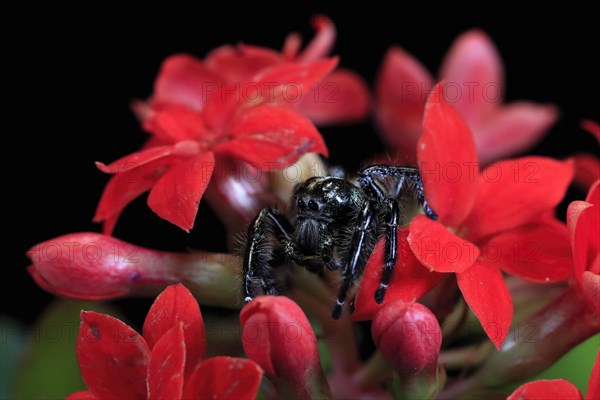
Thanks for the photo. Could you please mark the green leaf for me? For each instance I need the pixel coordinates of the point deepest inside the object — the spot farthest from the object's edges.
(48, 368)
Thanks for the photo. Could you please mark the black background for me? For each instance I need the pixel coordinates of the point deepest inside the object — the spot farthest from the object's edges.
(77, 74)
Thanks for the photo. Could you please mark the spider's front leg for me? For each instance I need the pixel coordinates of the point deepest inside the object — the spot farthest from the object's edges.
(391, 249)
(267, 225)
(369, 179)
(353, 267)
(370, 176)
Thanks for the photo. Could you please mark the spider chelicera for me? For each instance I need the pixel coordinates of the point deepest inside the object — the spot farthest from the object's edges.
(336, 225)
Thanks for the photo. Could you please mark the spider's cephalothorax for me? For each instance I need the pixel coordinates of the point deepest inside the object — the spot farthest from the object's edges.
(336, 224)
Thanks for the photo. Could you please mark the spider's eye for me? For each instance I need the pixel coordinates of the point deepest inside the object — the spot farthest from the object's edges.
(313, 205)
(301, 204)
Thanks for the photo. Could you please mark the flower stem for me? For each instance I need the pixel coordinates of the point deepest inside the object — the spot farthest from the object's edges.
(211, 277)
(465, 357)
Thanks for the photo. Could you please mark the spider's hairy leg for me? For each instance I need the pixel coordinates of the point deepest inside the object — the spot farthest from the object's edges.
(352, 269)
(420, 193)
(391, 249)
(328, 258)
(371, 174)
(267, 225)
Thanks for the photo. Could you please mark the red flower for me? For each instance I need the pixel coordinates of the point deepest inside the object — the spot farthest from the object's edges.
(559, 389)
(583, 219)
(339, 97)
(264, 133)
(277, 335)
(247, 103)
(479, 213)
(475, 85)
(164, 363)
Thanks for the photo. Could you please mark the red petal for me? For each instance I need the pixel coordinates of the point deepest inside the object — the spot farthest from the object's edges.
(272, 137)
(485, 292)
(439, 249)
(538, 252)
(594, 194)
(125, 187)
(240, 63)
(592, 220)
(587, 170)
(224, 378)
(410, 280)
(341, 97)
(172, 122)
(593, 390)
(261, 344)
(283, 84)
(321, 45)
(288, 81)
(113, 358)
(402, 87)
(183, 79)
(555, 389)
(512, 129)
(578, 221)
(593, 197)
(590, 286)
(167, 362)
(135, 160)
(82, 395)
(174, 306)
(513, 192)
(473, 70)
(291, 46)
(447, 160)
(175, 197)
(592, 127)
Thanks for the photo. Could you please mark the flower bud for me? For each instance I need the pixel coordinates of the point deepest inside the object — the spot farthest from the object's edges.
(92, 266)
(409, 338)
(277, 335)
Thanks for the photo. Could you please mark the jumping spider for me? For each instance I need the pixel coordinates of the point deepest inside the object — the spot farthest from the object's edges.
(336, 226)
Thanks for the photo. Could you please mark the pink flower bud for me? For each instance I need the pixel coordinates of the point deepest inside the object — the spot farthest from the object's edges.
(408, 336)
(93, 266)
(277, 335)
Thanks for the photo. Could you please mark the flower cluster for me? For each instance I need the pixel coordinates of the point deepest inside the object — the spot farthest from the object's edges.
(165, 363)
(497, 256)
